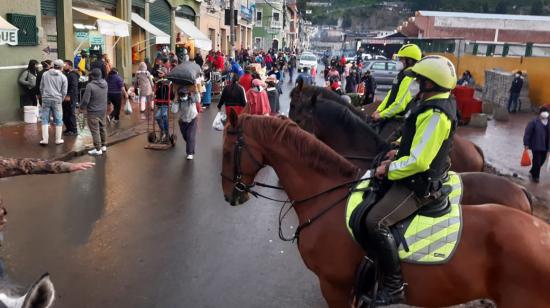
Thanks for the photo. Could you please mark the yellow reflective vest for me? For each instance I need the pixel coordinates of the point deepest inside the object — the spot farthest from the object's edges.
(432, 129)
(402, 99)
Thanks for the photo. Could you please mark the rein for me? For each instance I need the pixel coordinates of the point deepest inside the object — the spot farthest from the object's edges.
(242, 187)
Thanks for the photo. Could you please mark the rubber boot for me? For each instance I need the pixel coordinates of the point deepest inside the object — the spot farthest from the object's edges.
(45, 135)
(58, 134)
(392, 288)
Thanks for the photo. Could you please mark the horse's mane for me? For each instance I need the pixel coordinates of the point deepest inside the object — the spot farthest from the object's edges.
(327, 94)
(311, 151)
(346, 117)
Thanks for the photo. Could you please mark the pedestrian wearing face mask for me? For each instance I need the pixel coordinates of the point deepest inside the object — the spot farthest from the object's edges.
(401, 93)
(537, 139)
(515, 89)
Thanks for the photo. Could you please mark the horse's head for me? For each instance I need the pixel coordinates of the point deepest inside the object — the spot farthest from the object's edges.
(40, 295)
(242, 160)
(302, 106)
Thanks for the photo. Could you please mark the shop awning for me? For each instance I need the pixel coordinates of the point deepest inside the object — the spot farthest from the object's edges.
(201, 40)
(107, 24)
(160, 37)
(8, 33)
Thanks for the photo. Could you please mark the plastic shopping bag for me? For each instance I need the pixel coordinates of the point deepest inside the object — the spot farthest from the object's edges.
(128, 107)
(219, 120)
(175, 107)
(525, 159)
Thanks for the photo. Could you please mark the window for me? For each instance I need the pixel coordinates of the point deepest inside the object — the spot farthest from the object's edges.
(276, 16)
(259, 14)
(379, 66)
(392, 66)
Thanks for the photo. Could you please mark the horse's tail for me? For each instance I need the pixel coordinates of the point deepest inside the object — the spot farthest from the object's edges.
(480, 151)
(529, 197)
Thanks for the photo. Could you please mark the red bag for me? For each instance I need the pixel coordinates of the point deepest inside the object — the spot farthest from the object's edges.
(525, 159)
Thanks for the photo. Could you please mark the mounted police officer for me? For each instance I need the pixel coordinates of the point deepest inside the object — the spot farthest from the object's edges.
(401, 93)
(418, 171)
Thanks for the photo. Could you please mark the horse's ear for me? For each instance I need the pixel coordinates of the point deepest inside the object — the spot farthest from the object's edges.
(300, 85)
(314, 100)
(41, 294)
(233, 118)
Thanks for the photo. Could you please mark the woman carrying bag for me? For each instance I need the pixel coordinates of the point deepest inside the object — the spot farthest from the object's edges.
(27, 79)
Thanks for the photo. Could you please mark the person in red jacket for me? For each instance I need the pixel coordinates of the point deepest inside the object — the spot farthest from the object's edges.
(246, 80)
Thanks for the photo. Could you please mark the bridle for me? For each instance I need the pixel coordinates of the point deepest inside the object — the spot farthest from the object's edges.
(237, 177)
(241, 187)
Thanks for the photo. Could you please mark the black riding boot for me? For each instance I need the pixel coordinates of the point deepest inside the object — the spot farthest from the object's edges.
(392, 288)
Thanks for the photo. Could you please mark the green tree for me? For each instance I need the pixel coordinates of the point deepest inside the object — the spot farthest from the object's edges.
(485, 7)
(537, 8)
(502, 7)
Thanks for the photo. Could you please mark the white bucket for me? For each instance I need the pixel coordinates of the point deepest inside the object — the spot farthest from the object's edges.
(30, 114)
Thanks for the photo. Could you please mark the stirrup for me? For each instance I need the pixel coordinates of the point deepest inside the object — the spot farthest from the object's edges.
(383, 298)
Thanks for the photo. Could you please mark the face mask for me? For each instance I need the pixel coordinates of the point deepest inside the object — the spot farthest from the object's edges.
(517, 75)
(414, 89)
(400, 66)
(544, 114)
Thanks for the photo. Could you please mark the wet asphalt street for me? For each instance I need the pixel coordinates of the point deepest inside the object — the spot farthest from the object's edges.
(150, 229)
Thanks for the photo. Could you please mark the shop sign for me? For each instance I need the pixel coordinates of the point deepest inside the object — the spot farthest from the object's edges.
(8, 36)
(81, 35)
(96, 39)
(246, 13)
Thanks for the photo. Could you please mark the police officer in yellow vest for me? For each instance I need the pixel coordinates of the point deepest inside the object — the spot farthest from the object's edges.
(400, 95)
(418, 170)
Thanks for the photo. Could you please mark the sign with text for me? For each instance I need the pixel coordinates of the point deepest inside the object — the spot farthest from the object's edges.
(8, 36)
(81, 35)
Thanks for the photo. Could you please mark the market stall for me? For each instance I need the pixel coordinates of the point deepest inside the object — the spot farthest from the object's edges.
(98, 31)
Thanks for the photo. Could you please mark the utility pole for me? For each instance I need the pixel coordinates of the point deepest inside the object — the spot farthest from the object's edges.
(232, 27)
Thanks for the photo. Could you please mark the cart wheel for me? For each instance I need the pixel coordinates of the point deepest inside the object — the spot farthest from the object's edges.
(173, 139)
(152, 137)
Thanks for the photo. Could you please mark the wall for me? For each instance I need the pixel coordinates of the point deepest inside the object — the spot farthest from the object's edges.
(429, 28)
(536, 68)
(15, 56)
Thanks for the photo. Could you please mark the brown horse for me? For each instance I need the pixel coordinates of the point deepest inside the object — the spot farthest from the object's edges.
(339, 126)
(502, 254)
(465, 156)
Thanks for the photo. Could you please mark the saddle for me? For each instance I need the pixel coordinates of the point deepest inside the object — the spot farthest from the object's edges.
(429, 236)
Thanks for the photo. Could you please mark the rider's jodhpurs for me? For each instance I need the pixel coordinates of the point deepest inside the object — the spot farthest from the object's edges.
(398, 203)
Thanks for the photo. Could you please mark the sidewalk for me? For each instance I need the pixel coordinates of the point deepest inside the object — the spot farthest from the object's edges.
(22, 140)
(502, 144)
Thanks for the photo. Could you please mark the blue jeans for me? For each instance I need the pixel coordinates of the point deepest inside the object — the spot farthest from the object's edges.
(162, 118)
(51, 107)
(513, 102)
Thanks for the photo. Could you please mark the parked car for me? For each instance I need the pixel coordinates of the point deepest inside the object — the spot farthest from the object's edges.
(383, 71)
(308, 60)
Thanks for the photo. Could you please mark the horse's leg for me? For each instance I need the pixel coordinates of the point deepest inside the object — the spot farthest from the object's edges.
(481, 188)
(335, 295)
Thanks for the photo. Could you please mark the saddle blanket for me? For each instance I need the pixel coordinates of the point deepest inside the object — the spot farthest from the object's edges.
(425, 240)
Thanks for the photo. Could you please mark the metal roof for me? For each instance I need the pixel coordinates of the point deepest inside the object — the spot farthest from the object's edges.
(484, 16)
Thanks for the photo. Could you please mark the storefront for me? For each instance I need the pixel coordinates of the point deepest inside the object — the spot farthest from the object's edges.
(97, 31)
(140, 44)
(191, 37)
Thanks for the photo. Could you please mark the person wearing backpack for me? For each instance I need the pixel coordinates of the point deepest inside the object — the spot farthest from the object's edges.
(305, 77)
(27, 80)
(370, 88)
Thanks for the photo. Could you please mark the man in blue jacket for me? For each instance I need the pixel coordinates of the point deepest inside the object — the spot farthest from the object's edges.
(515, 90)
(537, 139)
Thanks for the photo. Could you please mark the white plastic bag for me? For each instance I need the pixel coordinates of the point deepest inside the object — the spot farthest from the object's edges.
(175, 107)
(219, 120)
(128, 107)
